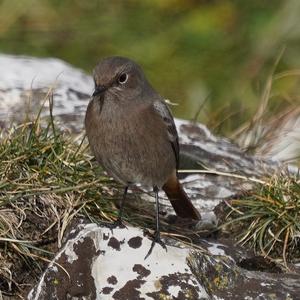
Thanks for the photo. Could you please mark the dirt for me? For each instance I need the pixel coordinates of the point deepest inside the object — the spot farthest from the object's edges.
(18, 271)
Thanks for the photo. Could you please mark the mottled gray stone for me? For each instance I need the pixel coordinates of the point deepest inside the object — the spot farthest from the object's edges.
(101, 264)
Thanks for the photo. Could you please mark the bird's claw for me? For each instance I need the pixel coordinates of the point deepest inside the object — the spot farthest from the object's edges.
(119, 223)
(116, 224)
(156, 239)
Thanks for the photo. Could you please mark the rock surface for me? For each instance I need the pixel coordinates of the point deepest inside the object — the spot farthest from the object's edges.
(95, 263)
(27, 82)
(101, 264)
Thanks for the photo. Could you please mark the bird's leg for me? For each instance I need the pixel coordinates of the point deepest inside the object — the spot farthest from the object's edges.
(156, 238)
(118, 222)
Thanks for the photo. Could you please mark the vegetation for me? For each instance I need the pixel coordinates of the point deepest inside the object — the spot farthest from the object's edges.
(268, 219)
(220, 51)
(46, 179)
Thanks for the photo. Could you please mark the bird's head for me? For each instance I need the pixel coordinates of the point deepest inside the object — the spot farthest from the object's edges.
(120, 79)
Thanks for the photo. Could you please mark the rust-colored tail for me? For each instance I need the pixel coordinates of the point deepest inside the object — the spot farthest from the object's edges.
(180, 201)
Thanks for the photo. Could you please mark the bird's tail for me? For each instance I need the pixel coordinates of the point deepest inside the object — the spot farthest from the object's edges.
(180, 201)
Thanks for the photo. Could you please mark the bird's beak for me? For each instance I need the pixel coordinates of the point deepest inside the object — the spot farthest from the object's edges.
(99, 90)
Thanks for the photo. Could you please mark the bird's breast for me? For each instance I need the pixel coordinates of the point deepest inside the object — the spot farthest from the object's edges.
(131, 144)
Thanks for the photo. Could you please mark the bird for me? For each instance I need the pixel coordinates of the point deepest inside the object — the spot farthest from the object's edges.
(132, 134)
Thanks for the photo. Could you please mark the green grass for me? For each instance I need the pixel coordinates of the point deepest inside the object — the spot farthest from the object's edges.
(269, 218)
(47, 178)
(38, 160)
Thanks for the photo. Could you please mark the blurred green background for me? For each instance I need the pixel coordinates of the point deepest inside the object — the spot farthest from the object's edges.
(209, 56)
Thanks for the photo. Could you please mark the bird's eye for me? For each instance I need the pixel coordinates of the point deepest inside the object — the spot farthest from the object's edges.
(123, 78)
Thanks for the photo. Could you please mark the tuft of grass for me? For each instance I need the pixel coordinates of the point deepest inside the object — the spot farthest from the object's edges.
(269, 219)
(47, 178)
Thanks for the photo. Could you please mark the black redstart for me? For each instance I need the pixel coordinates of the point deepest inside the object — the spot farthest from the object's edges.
(132, 134)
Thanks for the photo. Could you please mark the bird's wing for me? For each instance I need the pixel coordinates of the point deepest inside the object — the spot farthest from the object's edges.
(162, 109)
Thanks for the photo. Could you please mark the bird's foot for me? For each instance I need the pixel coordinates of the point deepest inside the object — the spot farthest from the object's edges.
(116, 224)
(156, 239)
